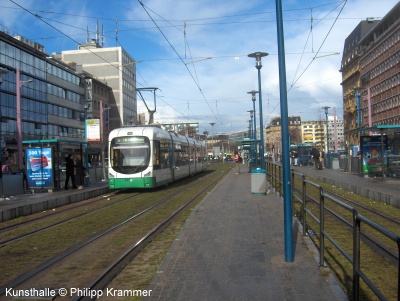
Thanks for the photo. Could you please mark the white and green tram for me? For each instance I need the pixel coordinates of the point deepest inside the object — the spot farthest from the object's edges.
(149, 157)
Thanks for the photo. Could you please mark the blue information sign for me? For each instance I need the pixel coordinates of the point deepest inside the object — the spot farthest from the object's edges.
(39, 167)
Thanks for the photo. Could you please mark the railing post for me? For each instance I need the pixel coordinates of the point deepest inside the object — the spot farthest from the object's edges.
(356, 256)
(321, 226)
(304, 206)
(280, 180)
(291, 192)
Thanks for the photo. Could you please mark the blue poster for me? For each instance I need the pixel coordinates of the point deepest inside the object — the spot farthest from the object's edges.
(39, 167)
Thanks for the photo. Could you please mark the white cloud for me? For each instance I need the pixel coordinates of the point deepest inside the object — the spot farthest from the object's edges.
(223, 81)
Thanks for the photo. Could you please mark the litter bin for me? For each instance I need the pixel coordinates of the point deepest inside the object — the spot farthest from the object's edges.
(335, 163)
(258, 181)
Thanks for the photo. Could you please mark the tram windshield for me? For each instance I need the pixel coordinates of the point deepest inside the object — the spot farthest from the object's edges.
(129, 155)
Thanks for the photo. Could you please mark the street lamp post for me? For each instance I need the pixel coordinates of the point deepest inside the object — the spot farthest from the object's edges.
(212, 138)
(205, 133)
(19, 84)
(2, 71)
(258, 55)
(102, 110)
(357, 94)
(251, 135)
(327, 136)
(253, 99)
(86, 107)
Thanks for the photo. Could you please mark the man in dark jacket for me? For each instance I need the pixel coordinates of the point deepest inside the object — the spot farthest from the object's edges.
(70, 171)
(315, 154)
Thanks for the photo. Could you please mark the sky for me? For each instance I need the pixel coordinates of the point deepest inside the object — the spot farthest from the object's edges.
(196, 52)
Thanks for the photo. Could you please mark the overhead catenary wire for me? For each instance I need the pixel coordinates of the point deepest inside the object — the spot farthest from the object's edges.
(344, 4)
(37, 16)
(146, 9)
(87, 48)
(216, 101)
(188, 20)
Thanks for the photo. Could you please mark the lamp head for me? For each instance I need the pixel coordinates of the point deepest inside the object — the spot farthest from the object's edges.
(258, 55)
(357, 91)
(253, 94)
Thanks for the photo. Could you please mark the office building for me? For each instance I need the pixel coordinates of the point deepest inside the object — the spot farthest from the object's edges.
(115, 67)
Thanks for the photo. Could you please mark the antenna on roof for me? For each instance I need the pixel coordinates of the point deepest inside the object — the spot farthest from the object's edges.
(97, 32)
(87, 35)
(102, 35)
(116, 32)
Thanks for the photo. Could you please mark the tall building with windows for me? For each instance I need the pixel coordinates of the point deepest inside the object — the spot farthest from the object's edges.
(379, 71)
(117, 69)
(51, 102)
(273, 133)
(351, 84)
(314, 131)
(336, 134)
(371, 79)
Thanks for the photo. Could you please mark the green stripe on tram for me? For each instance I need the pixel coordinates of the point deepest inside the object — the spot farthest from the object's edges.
(146, 182)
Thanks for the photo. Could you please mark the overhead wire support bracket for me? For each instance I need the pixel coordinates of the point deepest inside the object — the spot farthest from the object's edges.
(151, 112)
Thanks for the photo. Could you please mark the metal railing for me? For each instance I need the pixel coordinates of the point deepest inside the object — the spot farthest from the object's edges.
(306, 215)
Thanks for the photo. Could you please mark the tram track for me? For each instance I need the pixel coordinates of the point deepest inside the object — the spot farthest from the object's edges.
(27, 276)
(380, 246)
(105, 278)
(341, 217)
(79, 215)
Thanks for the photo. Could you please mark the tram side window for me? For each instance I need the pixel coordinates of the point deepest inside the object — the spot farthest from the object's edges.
(165, 148)
(192, 152)
(156, 155)
(181, 155)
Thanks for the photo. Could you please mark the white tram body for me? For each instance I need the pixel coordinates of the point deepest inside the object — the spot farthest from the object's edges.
(149, 157)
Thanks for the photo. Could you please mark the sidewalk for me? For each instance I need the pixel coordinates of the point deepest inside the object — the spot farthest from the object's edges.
(232, 248)
(25, 204)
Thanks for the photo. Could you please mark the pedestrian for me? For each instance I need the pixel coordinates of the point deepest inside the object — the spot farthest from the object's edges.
(70, 170)
(80, 171)
(317, 162)
(238, 160)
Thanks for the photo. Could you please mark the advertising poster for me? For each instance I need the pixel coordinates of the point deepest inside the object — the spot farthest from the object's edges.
(372, 153)
(93, 129)
(39, 170)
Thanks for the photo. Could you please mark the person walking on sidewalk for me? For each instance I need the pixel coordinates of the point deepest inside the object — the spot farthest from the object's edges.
(238, 160)
(70, 171)
(315, 154)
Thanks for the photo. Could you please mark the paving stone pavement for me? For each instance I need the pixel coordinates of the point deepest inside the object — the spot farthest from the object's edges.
(232, 248)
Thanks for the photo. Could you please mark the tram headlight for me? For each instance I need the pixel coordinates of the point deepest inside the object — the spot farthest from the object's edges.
(148, 174)
(110, 175)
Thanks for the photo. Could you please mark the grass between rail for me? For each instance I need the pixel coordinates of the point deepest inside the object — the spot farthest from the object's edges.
(378, 269)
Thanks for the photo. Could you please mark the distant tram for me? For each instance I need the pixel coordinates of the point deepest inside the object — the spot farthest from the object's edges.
(149, 157)
(303, 151)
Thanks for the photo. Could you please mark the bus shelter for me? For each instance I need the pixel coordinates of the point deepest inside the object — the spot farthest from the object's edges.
(250, 151)
(45, 162)
(380, 151)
